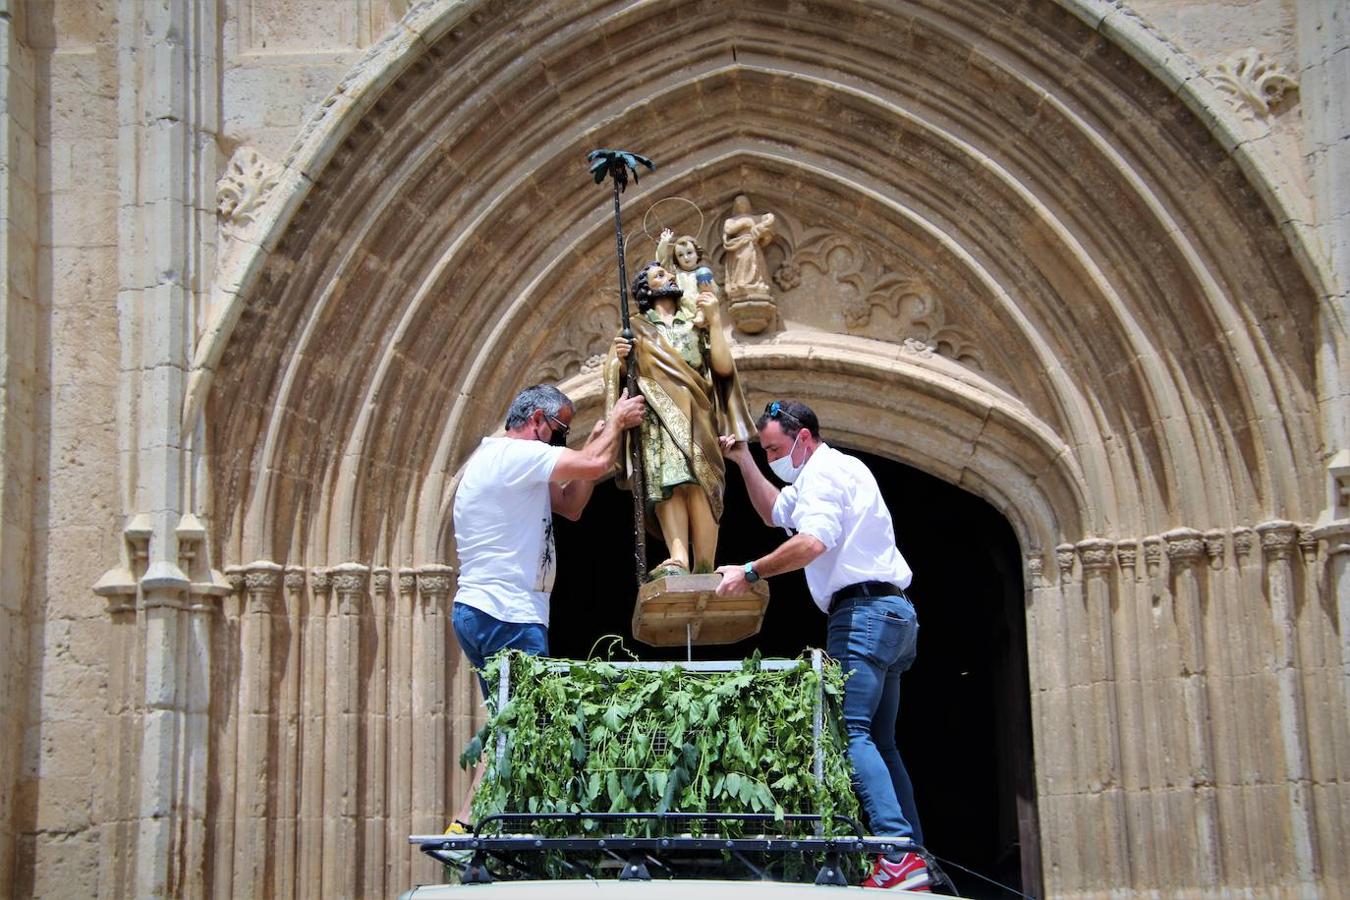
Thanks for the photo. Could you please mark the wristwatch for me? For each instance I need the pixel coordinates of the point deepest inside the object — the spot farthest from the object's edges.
(751, 576)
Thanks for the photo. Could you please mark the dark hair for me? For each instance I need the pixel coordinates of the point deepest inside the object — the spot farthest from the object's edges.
(643, 294)
(543, 397)
(792, 416)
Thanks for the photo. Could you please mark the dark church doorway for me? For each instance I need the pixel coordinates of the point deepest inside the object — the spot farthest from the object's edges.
(965, 725)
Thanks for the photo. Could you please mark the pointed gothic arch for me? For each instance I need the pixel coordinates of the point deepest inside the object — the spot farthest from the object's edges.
(1066, 188)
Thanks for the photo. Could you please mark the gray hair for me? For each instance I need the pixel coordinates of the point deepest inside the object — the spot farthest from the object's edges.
(543, 397)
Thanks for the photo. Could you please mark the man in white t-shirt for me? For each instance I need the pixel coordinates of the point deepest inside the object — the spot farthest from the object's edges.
(846, 542)
(504, 506)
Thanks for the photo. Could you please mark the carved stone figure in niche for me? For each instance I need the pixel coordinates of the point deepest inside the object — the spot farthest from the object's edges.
(693, 394)
(745, 235)
(684, 258)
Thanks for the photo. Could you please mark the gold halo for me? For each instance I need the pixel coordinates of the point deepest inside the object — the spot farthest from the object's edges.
(646, 218)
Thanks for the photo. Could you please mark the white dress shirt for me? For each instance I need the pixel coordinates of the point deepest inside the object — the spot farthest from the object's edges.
(836, 500)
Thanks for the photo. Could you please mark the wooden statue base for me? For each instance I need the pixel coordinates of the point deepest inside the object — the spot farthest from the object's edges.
(667, 605)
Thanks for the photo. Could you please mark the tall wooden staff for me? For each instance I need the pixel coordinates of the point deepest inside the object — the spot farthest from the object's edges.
(616, 164)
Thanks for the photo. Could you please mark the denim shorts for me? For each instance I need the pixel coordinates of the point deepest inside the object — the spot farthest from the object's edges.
(481, 636)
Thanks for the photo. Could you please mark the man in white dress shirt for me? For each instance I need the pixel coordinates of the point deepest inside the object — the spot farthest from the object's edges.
(842, 535)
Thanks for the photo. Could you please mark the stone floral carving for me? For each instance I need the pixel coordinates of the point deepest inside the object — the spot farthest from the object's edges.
(861, 285)
(242, 191)
(787, 276)
(1253, 82)
(582, 339)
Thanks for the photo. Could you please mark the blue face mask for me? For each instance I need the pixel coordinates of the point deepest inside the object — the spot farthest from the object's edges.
(783, 467)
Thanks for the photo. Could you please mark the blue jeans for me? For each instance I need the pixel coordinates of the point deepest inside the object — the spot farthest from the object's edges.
(482, 635)
(876, 640)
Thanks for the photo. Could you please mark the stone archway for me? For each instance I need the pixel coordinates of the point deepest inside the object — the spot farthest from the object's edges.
(1114, 353)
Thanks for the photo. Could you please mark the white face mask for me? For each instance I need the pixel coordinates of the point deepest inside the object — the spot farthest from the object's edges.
(783, 467)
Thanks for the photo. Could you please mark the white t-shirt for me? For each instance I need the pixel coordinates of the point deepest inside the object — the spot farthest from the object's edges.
(504, 529)
(836, 500)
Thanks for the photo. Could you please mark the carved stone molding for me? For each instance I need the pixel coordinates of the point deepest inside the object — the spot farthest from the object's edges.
(1096, 555)
(1278, 538)
(849, 275)
(243, 190)
(1127, 554)
(581, 345)
(1242, 542)
(435, 581)
(1064, 555)
(1253, 82)
(1214, 546)
(1185, 546)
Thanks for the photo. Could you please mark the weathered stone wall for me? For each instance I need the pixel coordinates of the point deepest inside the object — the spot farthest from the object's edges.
(237, 408)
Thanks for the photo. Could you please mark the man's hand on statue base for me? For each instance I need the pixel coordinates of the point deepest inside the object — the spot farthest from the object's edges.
(733, 581)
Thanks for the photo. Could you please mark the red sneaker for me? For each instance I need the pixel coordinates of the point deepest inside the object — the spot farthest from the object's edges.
(909, 874)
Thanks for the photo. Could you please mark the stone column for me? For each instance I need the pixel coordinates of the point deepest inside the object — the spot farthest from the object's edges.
(225, 749)
(1278, 540)
(121, 737)
(289, 628)
(375, 760)
(1134, 706)
(400, 734)
(1185, 552)
(313, 678)
(342, 751)
(1059, 750)
(1104, 774)
(254, 829)
(21, 353)
(431, 757)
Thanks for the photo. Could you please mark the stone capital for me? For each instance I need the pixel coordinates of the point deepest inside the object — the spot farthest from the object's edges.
(1035, 567)
(1215, 541)
(1127, 554)
(1064, 554)
(295, 579)
(1153, 553)
(1307, 544)
(407, 581)
(1096, 555)
(435, 580)
(1242, 541)
(262, 580)
(1278, 538)
(350, 580)
(1185, 546)
(320, 580)
(382, 578)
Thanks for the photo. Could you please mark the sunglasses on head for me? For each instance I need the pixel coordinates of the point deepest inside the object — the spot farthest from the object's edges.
(775, 411)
